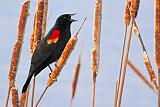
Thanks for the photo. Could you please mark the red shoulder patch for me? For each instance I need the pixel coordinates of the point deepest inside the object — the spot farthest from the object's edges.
(54, 36)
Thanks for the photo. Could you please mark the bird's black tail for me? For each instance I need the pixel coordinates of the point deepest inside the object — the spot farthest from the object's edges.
(24, 89)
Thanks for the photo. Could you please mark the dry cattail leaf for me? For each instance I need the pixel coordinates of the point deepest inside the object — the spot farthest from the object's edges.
(62, 60)
(127, 12)
(149, 67)
(143, 78)
(18, 45)
(38, 23)
(157, 33)
(15, 99)
(44, 18)
(22, 99)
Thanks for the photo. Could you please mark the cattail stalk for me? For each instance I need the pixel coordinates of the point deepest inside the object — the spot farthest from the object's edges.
(141, 77)
(124, 67)
(126, 22)
(61, 62)
(116, 95)
(15, 99)
(75, 79)
(96, 42)
(157, 41)
(133, 12)
(15, 59)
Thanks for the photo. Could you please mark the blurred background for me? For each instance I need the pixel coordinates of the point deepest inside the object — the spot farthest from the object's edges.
(136, 94)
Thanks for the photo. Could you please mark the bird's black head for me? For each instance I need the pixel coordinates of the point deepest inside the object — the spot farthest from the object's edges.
(65, 19)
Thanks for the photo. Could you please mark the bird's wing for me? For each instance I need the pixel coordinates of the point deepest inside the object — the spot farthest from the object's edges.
(45, 48)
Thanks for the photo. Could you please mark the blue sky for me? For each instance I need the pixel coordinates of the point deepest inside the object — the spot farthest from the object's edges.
(136, 94)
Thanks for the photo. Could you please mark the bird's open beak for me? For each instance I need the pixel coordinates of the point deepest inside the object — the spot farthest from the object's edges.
(73, 20)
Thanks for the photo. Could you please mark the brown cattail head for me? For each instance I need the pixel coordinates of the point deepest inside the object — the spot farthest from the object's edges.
(157, 33)
(93, 64)
(62, 60)
(127, 12)
(75, 77)
(149, 67)
(97, 32)
(134, 8)
(18, 45)
(38, 23)
(32, 35)
(15, 99)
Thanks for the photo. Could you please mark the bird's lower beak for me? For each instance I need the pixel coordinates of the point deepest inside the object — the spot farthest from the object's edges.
(73, 20)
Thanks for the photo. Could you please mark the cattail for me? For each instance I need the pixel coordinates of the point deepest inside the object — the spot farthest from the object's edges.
(143, 78)
(61, 61)
(127, 13)
(157, 41)
(134, 8)
(17, 46)
(97, 30)
(126, 22)
(38, 23)
(15, 99)
(157, 33)
(36, 36)
(96, 43)
(59, 65)
(22, 99)
(146, 58)
(75, 78)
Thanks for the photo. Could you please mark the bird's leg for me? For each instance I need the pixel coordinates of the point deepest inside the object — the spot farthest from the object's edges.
(50, 67)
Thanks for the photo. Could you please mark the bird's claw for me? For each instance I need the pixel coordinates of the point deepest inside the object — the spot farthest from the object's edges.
(53, 79)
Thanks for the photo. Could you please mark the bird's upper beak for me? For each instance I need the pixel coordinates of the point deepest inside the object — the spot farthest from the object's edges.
(73, 20)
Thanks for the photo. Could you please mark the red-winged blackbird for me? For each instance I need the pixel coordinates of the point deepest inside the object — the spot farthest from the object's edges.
(51, 47)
